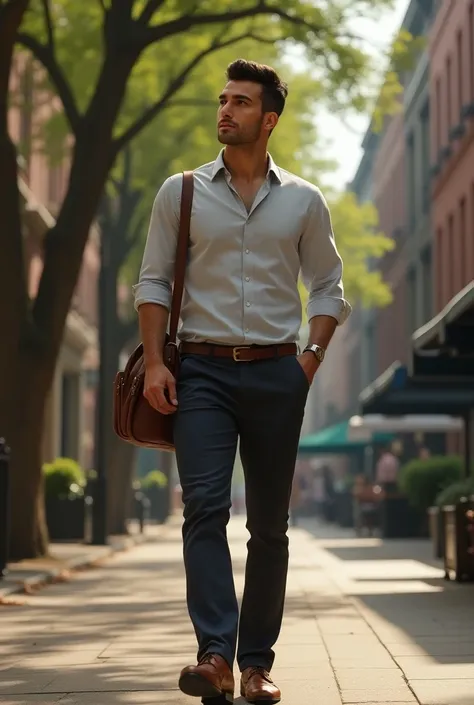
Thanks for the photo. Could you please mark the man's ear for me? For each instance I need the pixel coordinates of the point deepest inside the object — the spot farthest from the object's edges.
(271, 121)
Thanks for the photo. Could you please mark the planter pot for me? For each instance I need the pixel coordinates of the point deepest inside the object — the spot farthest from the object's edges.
(398, 519)
(159, 503)
(69, 519)
(436, 524)
(459, 541)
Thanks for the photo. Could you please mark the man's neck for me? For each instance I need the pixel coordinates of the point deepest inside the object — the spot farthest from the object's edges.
(246, 163)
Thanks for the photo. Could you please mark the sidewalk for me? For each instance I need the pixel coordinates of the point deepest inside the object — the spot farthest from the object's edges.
(363, 624)
(65, 557)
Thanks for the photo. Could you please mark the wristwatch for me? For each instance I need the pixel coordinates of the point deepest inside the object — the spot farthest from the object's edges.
(317, 351)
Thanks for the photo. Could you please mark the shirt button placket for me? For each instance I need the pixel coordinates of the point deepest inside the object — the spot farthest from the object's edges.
(248, 303)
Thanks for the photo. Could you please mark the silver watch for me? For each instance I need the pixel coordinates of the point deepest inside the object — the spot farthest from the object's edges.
(317, 351)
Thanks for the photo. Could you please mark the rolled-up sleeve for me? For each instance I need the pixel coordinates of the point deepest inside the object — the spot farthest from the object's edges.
(321, 264)
(157, 269)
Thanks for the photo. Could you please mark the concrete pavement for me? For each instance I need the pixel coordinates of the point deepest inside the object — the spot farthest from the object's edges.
(366, 622)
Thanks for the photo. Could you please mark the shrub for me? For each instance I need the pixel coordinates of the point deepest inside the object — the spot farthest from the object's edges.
(155, 478)
(63, 477)
(453, 493)
(423, 480)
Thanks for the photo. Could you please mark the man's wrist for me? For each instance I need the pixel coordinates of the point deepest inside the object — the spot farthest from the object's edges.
(316, 350)
(153, 361)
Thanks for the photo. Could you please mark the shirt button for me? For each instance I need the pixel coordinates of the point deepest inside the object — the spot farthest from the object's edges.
(247, 279)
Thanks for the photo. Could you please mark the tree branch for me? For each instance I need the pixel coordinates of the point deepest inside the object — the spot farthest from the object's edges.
(149, 10)
(49, 24)
(46, 57)
(188, 21)
(173, 87)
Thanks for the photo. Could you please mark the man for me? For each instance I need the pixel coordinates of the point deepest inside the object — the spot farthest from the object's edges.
(253, 227)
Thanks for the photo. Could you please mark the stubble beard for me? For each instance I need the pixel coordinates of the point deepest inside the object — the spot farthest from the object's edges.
(237, 138)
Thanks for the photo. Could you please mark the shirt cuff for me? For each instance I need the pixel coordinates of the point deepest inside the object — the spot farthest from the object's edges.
(340, 309)
(152, 292)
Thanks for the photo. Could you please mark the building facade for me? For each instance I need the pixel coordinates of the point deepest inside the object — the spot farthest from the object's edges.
(451, 52)
(42, 181)
(393, 174)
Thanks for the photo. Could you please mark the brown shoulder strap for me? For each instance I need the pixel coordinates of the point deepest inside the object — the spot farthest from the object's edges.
(181, 251)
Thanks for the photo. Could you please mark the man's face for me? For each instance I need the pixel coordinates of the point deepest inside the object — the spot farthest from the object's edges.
(240, 117)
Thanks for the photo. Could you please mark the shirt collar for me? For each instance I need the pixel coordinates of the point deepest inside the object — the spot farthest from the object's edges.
(219, 166)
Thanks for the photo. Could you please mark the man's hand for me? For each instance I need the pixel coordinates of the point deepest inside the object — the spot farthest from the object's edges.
(160, 382)
(310, 365)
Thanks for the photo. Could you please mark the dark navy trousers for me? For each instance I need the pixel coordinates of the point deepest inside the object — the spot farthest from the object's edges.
(262, 404)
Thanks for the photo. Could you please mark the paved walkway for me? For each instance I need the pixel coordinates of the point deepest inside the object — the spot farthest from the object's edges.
(365, 623)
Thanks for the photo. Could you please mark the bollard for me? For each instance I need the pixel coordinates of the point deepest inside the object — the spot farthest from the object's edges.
(4, 505)
(142, 509)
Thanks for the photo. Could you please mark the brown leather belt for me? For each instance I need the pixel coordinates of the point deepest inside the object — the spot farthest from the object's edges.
(240, 353)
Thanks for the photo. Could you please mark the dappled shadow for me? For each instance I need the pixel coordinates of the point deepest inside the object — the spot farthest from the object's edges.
(404, 596)
(112, 632)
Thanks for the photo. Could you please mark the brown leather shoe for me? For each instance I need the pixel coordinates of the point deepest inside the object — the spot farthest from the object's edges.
(256, 686)
(211, 678)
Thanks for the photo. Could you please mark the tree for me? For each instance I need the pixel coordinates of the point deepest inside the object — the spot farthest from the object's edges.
(125, 34)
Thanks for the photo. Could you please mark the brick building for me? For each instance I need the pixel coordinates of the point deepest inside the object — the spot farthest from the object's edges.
(69, 426)
(451, 51)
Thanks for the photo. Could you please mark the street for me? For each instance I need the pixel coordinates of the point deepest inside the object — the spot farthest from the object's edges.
(366, 622)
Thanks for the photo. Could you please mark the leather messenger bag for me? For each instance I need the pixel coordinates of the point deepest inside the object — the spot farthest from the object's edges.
(135, 421)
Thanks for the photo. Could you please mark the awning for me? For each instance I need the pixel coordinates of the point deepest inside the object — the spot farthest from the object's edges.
(396, 393)
(335, 440)
(360, 426)
(444, 347)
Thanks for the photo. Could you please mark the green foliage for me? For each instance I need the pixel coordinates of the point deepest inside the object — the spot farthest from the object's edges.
(423, 480)
(453, 493)
(63, 477)
(358, 240)
(155, 478)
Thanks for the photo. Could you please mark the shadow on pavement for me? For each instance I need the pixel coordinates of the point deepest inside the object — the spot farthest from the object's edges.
(404, 596)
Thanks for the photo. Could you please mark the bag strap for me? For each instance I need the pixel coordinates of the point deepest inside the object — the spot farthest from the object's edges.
(181, 252)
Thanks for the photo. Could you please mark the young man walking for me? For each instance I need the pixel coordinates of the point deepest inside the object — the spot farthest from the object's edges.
(254, 226)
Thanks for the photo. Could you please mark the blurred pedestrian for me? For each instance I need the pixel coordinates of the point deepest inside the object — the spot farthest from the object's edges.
(254, 226)
(387, 469)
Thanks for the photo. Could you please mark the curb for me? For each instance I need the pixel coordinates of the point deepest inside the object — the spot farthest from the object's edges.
(46, 577)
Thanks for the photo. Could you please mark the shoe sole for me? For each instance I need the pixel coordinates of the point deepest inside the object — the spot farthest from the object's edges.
(267, 701)
(199, 687)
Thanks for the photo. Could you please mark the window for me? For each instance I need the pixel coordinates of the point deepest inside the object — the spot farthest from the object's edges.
(439, 268)
(471, 46)
(438, 135)
(463, 274)
(412, 302)
(460, 64)
(425, 158)
(26, 112)
(449, 96)
(427, 285)
(411, 180)
(450, 264)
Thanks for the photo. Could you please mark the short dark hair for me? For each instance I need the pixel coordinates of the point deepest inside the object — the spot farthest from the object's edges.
(274, 90)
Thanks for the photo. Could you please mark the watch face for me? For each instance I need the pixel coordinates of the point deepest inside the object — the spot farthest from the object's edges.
(317, 351)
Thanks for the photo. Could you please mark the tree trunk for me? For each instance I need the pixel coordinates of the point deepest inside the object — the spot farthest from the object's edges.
(24, 434)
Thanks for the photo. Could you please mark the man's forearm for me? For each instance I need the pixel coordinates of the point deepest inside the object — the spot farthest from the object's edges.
(153, 320)
(321, 330)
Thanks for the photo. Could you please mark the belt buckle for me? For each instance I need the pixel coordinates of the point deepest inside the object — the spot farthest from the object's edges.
(236, 352)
